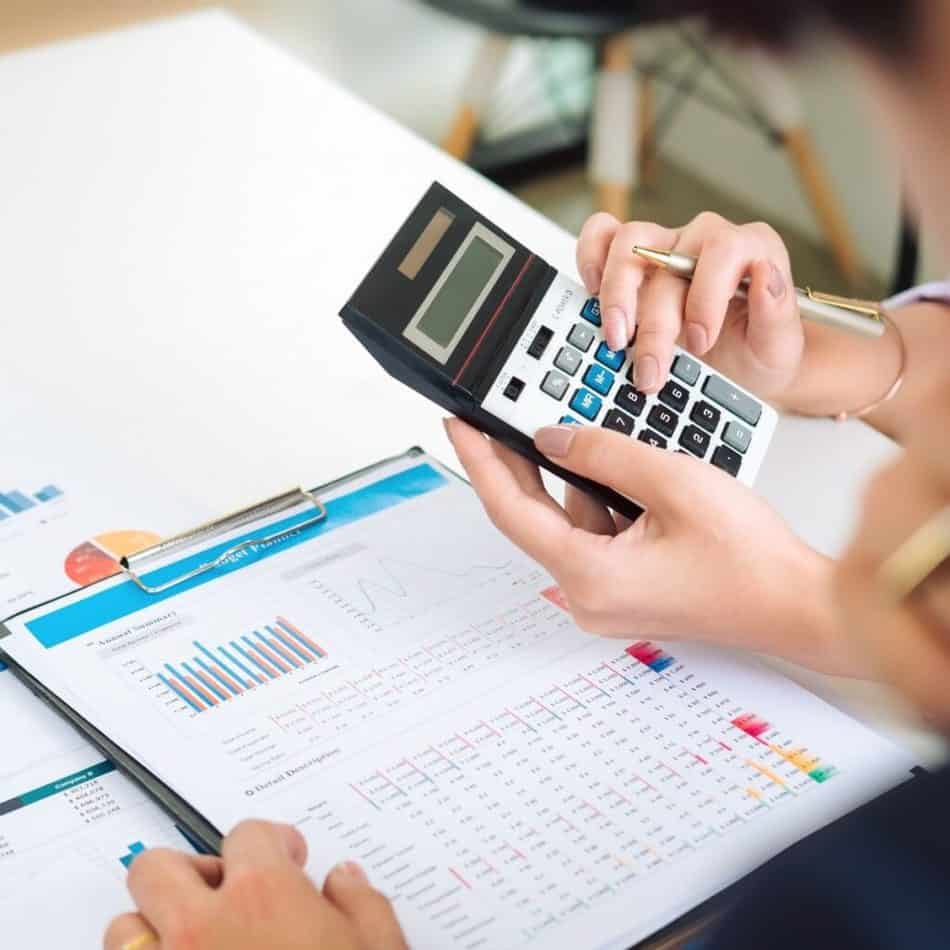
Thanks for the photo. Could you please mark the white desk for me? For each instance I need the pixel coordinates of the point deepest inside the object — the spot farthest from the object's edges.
(185, 210)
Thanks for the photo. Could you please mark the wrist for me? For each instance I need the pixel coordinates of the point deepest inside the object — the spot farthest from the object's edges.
(806, 621)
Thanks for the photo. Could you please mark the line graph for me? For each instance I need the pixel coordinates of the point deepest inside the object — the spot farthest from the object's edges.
(381, 591)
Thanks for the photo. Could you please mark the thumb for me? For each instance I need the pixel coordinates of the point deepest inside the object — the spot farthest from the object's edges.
(656, 479)
(774, 333)
(348, 888)
(263, 843)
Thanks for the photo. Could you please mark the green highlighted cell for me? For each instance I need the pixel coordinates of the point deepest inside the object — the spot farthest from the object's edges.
(63, 784)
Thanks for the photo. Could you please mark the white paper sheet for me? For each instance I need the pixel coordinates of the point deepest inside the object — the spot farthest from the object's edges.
(405, 686)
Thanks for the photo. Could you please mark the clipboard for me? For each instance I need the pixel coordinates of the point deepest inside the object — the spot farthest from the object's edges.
(194, 825)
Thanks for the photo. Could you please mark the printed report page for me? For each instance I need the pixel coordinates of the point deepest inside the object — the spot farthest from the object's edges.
(408, 688)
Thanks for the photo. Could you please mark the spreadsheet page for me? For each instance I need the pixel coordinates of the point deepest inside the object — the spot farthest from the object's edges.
(408, 688)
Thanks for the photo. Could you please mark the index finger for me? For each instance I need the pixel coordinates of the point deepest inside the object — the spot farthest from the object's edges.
(539, 529)
(263, 844)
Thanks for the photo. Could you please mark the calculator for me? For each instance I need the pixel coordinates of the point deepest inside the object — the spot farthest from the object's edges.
(467, 316)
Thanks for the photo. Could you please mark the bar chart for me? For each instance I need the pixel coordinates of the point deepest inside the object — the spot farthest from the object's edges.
(219, 673)
(15, 502)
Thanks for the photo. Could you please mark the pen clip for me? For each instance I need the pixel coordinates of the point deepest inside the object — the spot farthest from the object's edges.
(866, 308)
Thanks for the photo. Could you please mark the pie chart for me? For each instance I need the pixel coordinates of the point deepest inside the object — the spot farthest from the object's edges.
(97, 559)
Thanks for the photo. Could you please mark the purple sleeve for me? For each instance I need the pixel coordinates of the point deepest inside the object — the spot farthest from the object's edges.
(936, 292)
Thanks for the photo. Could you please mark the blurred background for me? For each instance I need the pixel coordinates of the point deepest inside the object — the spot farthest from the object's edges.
(689, 125)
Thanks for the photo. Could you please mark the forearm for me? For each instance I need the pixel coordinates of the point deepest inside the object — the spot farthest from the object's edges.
(841, 372)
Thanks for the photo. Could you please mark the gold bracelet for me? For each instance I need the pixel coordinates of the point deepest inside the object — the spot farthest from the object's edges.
(895, 387)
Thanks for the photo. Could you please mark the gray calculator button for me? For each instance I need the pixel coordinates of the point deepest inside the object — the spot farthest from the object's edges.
(686, 369)
(739, 437)
(581, 337)
(726, 395)
(555, 385)
(568, 360)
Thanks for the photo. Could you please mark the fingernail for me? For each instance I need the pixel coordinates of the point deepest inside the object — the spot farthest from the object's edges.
(447, 424)
(776, 282)
(555, 440)
(350, 871)
(646, 373)
(615, 328)
(697, 339)
(592, 277)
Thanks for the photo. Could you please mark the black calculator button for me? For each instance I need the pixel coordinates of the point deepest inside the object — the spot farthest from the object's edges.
(737, 437)
(651, 438)
(663, 420)
(695, 440)
(727, 460)
(568, 360)
(726, 395)
(630, 400)
(514, 388)
(581, 336)
(686, 369)
(706, 416)
(674, 395)
(618, 421)
(555, 385)
(540, 342)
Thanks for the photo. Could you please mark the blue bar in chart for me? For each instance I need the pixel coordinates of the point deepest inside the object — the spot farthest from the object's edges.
(15, 502)
(135, 849)
(217, 674)
(48, 493)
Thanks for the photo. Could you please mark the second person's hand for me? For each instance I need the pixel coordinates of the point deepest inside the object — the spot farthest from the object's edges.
(709, 559)
(757, 342)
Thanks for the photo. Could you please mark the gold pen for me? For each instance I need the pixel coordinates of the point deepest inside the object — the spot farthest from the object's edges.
(862, 317)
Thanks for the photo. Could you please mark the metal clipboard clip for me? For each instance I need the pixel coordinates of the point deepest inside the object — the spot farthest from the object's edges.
(210, 529)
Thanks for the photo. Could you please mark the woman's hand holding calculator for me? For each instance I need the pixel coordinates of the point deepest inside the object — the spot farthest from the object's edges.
(758, 342)
(709, 559)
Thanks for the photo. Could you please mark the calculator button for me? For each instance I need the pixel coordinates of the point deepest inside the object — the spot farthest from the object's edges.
(599, 379)
(630, 400)
(555, 385)
(651, 438)
(612, 359)
(591, 311)
(695, 440)
(568, 360)
(739, 437)
(727, 460)
(514, 388)
(618, 421)
(540, 342)
(674, 395)
(725, 394)
(686, 369)
(568, 421)
(586, 403)
(581, 336)
(706, 416)
(663, 420)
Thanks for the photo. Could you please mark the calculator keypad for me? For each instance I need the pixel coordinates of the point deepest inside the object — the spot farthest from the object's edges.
(569, 374)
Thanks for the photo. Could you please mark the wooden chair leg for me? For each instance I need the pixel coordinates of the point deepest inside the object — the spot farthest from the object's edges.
(801, 151)
(767, 81)
(613, 146)
(481, 80)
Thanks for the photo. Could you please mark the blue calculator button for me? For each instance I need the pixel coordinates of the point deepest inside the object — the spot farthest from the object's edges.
(568, 421)
(599, 379)
(586, 403)
(591, 311)
(612, 359)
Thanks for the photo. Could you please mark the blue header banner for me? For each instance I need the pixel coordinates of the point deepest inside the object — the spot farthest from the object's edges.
(121, 600)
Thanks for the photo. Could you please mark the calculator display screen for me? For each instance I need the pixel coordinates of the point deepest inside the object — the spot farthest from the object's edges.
(458, 293)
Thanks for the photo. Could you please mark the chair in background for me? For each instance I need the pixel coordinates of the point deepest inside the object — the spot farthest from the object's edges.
(624, 131)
